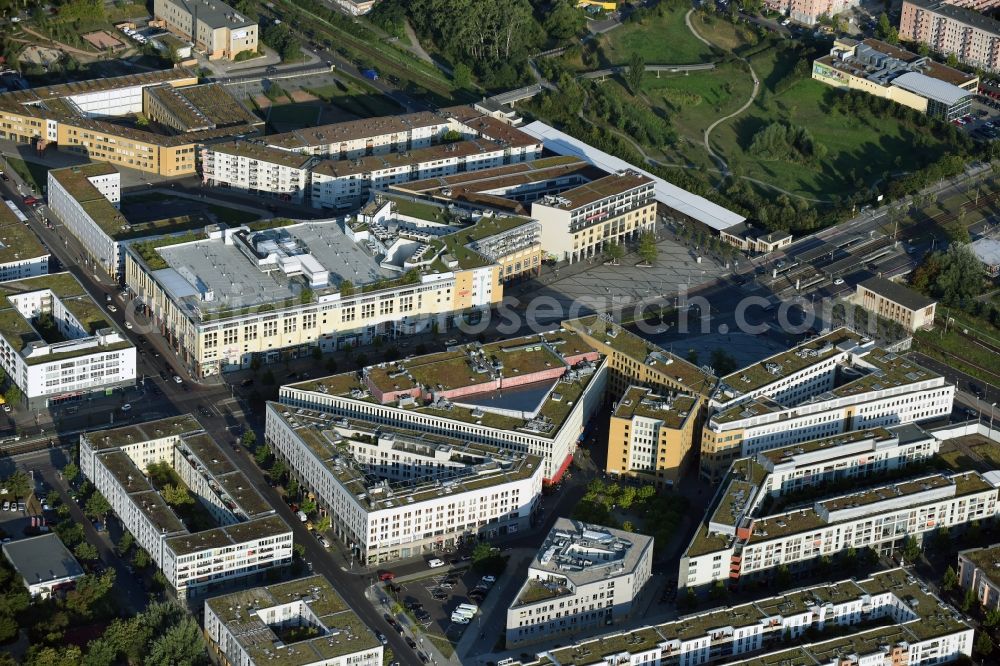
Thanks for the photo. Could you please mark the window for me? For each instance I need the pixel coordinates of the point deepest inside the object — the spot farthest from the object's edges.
(211, 340)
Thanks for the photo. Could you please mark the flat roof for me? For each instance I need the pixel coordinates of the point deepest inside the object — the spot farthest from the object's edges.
(369, 163)
(934, 89)
(831, 444)
(639, 349)
(16, 99)
(212, 265)
(508, 175)
(258, 151)
(897, 293)
(696, 207)
(597, 190)
(987, 250)
(341, 631)
(987, 559)
(639, 401)
(965, 15)
(42, 559)
(17, 241)
(353, 130)
(171, 426)
(214, 13)
(473, 465)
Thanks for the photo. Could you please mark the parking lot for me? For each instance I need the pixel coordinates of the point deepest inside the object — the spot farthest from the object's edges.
(16, 517)
(431, 601)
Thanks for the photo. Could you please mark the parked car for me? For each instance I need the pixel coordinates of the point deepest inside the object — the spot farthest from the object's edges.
(434, 563)
(386, 575)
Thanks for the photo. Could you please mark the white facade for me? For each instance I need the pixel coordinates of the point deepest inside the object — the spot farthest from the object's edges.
(878, 517)
(109, 103)
(436, 492)
(72, 210)
(256, 170)
(563, 596)
(919, 629)
(82, 361)
(555, 450)
(24, 268)
(243, 628)
(249, 539)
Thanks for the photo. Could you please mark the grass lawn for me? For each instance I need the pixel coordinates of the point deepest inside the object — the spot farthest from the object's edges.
(357, 99)
(660, 40)
(693, 101)
(722, 32)
(232, 216)
(858, 151)
(287, 117)
(989, 451)
(31, 172)
(444, 646)
(959, 349)
(959, 462)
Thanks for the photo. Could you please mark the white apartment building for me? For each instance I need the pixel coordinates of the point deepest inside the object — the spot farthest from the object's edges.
(22, 255)
(281, 289)
(396, 494)
(919, 629)
(249, 538)
(836, 383)
(86, 199)
(579, 223)
(251, 627)
(56, 343)
(738, 541)
(345, 183)
(257, 169)
(584, 577)
(532, 395)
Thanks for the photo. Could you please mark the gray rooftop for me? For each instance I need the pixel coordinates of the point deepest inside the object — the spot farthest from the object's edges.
(214, 266)
(584, 553)
(987, 250)
(931, 88)
(898, 293)
(42, 559)
(215, 13)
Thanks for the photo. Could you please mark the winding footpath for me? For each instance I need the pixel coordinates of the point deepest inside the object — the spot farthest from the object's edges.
(723, 166)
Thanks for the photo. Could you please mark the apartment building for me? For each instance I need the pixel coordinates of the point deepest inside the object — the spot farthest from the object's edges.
(977, 569)
(22, 255)
(56, 343)
(345, 183)
(584, 577)
(248, 539)
(579, 223)
(215, 28)
(633, 360)
(653, 437)
(809, 12)
(533, 395)
(896, 302)
(201, 108)
(86, 200)
(953, 29)
(393, 493)
(257, 169)
(825, 624)
(833, 384)
(893, 73)
(78, 117)
(303, 622)
(750, 528)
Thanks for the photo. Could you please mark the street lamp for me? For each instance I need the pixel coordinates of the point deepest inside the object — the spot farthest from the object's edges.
(990, 434)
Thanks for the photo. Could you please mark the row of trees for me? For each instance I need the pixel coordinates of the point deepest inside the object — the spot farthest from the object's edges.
(955, 277)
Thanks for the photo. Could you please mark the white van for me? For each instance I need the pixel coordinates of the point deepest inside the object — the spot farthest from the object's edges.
(472, 608)
(435, 563)
(460, 619)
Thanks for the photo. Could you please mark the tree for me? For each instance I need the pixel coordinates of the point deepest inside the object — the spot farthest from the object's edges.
(647, 247)
(96, 507)
(18, 484)
(968, 600)
(308, 506)
(89, 591)
(992, 618)
(85, 551)
(984, 644)
(182, 643)
(249, 438)
(636, 70)
(718, 591)
(482, 553)
(323, 524)
(262, 454)
(346, 288)
(12, 395)
(461, 76)
(614, 252)
(627, 526)
(564, 21)
(125, 543)
(8, 627)
(176, 495)
(950, 579)
(141, 558)
(883, 28)
(722, 362)
(911, 550)
(70, 472)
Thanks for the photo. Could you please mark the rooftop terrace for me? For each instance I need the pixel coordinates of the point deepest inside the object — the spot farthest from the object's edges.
(17, 241)
(597, 190)
(642, 402)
